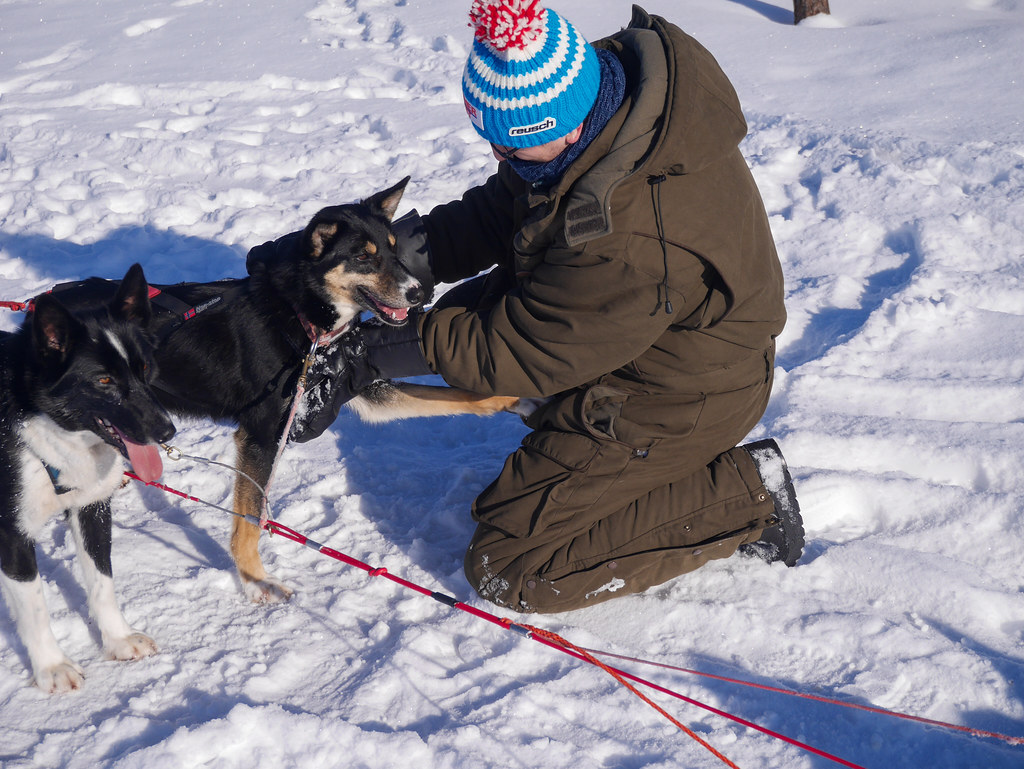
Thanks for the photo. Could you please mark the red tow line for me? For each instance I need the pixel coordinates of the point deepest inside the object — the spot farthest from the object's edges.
(555, 641)
(552, 640)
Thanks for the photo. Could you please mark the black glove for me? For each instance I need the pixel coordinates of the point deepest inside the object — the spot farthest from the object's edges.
(264, 256)
(369, 353)
(414, 250)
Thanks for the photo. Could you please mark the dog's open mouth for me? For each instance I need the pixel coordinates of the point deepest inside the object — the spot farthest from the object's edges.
(144, 458)
(395, 316)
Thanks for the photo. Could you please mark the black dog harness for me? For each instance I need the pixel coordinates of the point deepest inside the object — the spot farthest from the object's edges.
(101, 290)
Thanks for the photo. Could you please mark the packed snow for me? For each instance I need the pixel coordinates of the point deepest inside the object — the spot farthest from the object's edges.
(887, 141)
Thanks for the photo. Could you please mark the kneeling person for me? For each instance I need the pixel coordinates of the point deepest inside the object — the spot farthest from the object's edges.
(633, 288)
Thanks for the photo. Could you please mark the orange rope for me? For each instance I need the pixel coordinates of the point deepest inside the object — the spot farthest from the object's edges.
(558, 640)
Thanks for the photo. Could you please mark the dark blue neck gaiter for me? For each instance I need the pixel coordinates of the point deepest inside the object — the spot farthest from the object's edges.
(609, 99)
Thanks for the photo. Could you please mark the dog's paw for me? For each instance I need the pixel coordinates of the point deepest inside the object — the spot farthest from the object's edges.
(131, 647)
(266, 590)
(525, 407)
(63, 677)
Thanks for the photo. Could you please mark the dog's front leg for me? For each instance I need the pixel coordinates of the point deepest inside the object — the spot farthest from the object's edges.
(387, 401)
(256, 461)
(52, 671)
(91, 529)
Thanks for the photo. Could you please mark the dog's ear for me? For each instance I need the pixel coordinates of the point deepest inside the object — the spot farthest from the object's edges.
(132, 300)
(386, 202)
(54, 329)
(318, 235)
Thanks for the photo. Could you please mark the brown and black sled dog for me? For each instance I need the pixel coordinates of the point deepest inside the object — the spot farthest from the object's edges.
(233, 350)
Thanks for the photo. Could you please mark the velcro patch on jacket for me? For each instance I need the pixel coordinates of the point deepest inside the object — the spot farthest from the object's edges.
(584, 221)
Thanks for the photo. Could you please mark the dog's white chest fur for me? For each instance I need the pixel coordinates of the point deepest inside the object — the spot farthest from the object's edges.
(86, 465)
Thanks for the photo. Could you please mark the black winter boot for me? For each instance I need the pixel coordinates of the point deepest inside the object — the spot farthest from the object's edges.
(783, 541)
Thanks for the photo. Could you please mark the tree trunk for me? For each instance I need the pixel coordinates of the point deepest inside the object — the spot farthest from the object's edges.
(804, 8)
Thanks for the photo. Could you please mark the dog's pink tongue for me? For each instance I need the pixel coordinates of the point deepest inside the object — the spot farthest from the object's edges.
(145, 459)
(397, 314)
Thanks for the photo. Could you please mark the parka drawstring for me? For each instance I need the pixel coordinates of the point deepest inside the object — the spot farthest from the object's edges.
(655, 182)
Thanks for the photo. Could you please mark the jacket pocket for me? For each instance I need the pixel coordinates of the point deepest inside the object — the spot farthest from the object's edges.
(594, 411)
(554, 479)
(600, 408)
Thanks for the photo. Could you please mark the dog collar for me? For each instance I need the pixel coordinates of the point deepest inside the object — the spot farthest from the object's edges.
(315, 334)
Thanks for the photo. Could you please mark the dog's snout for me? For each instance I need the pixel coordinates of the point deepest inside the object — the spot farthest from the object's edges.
(168, 432)
(415, 294)
(164, 429)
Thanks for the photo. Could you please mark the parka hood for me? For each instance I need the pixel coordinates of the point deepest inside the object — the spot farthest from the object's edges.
(673, 79)
(697, 94)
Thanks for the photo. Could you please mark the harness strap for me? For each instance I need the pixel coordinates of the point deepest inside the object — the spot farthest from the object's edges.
(183, 311)
(96, 289)
(172, 303)
(318, 335)
(318, 339)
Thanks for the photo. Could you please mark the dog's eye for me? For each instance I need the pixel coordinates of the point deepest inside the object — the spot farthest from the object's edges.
(369, 252)
(105, 380)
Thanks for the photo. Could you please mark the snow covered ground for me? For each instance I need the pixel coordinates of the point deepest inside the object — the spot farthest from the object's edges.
(888, 144)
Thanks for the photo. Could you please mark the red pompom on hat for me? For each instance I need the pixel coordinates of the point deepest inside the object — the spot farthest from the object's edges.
(507, 24)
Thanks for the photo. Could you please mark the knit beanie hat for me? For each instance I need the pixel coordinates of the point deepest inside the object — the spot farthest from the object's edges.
(531, 78)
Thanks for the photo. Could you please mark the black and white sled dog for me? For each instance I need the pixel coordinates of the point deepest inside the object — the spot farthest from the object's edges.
(232, 350)
(74, 400)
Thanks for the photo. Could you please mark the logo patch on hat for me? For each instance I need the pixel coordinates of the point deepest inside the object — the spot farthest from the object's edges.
(475, 116)
(525, 130)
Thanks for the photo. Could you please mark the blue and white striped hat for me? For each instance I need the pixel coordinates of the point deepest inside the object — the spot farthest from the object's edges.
(531, 77)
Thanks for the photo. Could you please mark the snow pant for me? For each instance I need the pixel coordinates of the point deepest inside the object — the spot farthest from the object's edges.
(583, 512)
(574, 520)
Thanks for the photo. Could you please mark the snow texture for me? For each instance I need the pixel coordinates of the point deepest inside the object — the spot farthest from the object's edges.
(887, 142)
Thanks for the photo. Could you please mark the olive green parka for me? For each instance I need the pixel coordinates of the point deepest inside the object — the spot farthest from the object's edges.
(645, 279)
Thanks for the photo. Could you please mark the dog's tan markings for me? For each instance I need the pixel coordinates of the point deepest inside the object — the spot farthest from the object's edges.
(401, 400)
(245, 536)
(424, 400)
(321, 236)
(391, 240)
(340, 284)
(371, 248)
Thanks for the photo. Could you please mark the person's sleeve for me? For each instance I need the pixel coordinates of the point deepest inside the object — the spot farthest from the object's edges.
(579, 315)
(470, 235)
